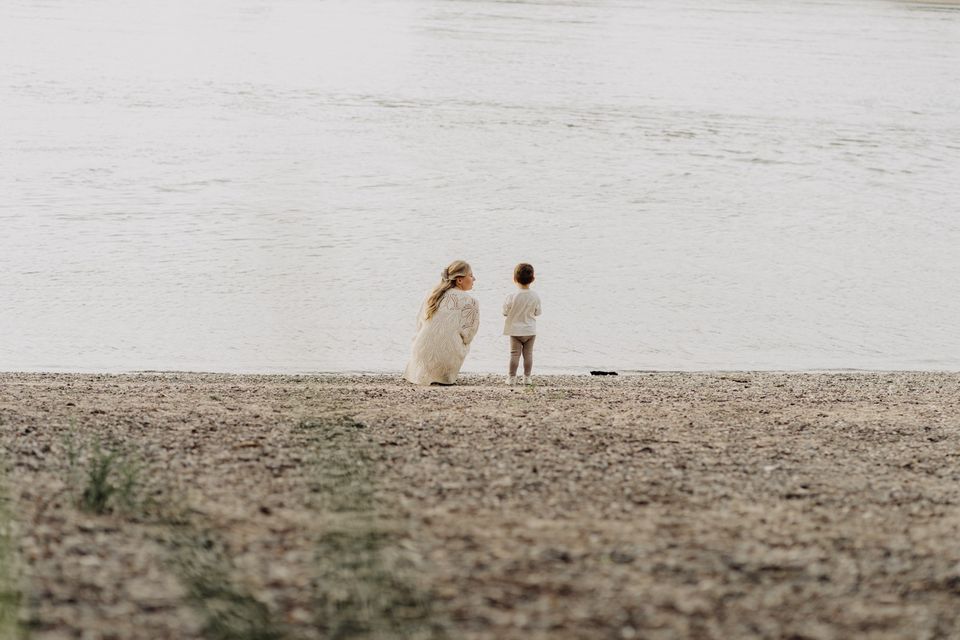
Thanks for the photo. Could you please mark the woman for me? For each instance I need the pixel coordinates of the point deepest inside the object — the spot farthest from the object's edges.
(447, 322)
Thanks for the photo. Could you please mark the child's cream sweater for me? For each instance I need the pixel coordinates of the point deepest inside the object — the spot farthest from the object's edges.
(521, 309)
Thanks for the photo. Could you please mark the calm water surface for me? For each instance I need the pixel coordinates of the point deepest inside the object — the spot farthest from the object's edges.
(253, 185)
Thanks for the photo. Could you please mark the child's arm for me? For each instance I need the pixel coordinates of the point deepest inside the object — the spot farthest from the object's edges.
(507, 304)
(536, 311)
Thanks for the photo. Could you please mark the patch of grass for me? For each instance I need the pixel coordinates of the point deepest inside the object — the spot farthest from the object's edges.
(363, 590)
(111, 479)
(11, 597)
(100, 488)
(229, 612)
(363, 595)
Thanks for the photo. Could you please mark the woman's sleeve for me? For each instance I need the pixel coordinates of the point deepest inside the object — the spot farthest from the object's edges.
(469, 320)
(423, 307)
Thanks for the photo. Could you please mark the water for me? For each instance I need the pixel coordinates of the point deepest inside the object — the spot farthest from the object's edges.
(273, 185)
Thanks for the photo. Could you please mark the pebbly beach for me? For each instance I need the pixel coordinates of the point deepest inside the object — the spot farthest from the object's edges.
(660, 505)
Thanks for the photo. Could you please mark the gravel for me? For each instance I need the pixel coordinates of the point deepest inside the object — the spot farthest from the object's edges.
(663, 505)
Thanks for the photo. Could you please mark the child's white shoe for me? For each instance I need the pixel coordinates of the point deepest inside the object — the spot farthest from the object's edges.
(527, 379)
(511, 381)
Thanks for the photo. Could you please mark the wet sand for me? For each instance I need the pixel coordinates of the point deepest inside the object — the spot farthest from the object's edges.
(651, 506)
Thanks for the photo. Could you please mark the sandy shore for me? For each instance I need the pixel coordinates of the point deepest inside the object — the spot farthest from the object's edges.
(650, 506)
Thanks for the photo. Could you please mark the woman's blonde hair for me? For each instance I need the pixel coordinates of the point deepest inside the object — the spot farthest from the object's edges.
(448, 280)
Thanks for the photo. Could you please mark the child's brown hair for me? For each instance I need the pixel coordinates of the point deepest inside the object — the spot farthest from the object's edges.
(523, 273)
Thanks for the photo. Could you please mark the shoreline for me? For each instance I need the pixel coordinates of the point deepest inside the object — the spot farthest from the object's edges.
(668, 505)
(398, 373)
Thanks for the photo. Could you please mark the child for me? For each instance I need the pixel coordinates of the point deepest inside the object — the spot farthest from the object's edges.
(520, 309)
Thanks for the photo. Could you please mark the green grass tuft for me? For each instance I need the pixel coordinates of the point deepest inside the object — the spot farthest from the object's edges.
(364, 590)
(229, 612)
(111, 482)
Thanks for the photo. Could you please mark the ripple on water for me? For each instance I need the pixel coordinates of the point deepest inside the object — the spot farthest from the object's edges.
(700, 184)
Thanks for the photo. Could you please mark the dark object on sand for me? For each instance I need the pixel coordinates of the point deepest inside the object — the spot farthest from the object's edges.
(604, 373)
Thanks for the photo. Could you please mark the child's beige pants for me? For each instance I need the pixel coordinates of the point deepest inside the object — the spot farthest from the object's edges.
(521, 345)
